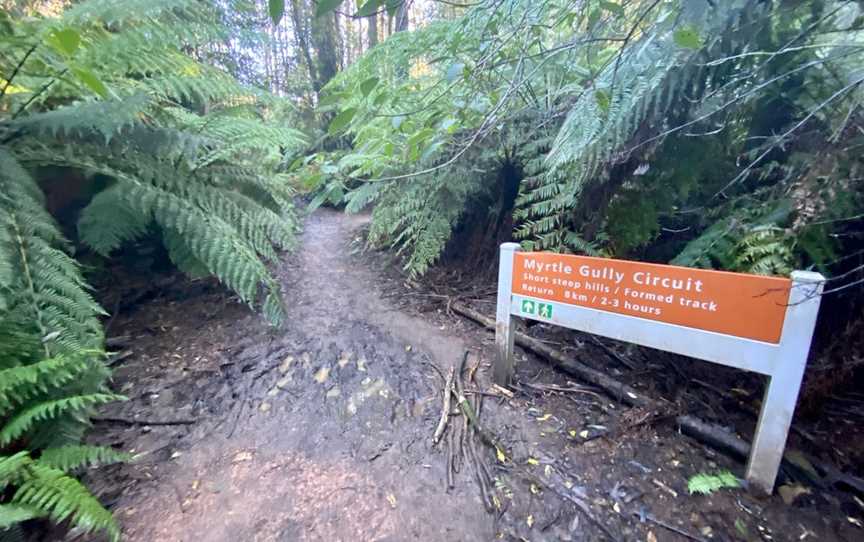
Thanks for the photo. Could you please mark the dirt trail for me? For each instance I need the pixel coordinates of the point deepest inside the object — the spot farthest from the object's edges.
(321, 429)
(329, 440)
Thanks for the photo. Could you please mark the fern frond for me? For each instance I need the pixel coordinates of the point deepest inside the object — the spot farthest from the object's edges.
(70, 458)
(24, 421)
(105, 117)
(62, 498)
(48, 286)
(10, 514)
(705, 484)
(107, 222)
(11, 468)
(19, 385)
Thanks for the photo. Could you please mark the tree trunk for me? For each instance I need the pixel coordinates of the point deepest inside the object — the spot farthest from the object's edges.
(372, 30)
(323, 30)
(301, 30)
(401, 18)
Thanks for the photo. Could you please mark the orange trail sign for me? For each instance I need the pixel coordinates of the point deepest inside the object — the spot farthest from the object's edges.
(697, 298)
(750, 322)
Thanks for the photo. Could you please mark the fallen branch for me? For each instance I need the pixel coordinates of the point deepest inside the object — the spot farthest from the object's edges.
(708, 433)
(119, 357)
(445, 407)
(650, 518)
(616, 389)
(466, 408)
(119, 341)
(568, 495)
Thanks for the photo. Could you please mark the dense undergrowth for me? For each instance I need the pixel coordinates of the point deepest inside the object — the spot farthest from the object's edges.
(108, 103)
(721, 135)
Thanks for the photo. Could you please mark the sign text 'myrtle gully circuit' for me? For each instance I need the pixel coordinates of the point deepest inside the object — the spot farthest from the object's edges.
(756, 323)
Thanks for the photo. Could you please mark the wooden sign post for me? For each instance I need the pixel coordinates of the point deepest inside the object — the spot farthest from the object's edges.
(750, 322)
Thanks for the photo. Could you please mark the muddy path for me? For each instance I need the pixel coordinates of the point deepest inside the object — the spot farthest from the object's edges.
(321, 429)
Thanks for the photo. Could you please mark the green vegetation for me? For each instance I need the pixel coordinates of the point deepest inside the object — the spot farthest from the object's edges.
(168, 146)
(706, 484)
(667, 130)
(718, 134)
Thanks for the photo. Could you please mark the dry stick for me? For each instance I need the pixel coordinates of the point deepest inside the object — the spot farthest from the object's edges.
(708, 433)
(450, 453)
(580, 505)
(129, 421)
(116, 359)
(481, 470)
(613, 354)
(445, 410)
(458, 447)
(469, 413)
(650, 518)
(468, 410)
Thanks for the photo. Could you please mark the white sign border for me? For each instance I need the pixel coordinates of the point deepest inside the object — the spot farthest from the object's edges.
(783, 363)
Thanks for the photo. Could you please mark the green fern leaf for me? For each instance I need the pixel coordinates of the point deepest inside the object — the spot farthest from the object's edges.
(69, 458)
(705, 484)
(22, 422)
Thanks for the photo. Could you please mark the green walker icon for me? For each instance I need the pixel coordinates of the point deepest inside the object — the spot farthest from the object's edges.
(543, 310)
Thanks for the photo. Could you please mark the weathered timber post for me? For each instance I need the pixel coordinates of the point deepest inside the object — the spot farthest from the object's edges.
(784, 382)
(502, 371)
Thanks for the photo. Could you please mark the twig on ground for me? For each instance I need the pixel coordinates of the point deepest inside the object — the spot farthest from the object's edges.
(644, 516)
(237, 417)
(613, 354)
(580, 504)
(119, 357)
(450, 457)
(131, 421)
(568, 389)
(503, 391)
(445, 407)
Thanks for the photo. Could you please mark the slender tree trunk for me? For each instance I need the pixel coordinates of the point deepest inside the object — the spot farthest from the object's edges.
(324, 30)
(372, 30)
(301, 31)
(401, 19)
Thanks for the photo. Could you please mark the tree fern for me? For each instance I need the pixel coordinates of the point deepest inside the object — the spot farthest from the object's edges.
(207, 181)
(186, 154)
(71, 458)
(26, 420)
(47, 288)
(45, 491)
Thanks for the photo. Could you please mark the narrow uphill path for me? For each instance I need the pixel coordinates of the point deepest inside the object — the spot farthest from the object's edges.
(316, 431)
(321, 429)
